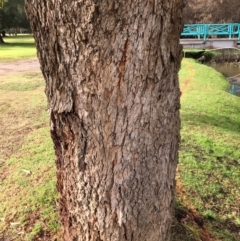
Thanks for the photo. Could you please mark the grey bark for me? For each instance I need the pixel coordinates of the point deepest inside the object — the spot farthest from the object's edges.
(111, 71)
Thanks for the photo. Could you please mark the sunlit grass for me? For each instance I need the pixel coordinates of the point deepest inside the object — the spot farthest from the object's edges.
(17, 47)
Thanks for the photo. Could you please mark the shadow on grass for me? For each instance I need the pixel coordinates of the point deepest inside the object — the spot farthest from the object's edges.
(220, 121)
(189, 225)
(19, 45)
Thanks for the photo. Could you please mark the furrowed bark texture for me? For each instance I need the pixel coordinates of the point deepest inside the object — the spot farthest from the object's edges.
(112, 87)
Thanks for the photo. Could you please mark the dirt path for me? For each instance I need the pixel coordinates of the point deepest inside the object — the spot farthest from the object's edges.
(8, 117)
(19, 66)
(188, 80)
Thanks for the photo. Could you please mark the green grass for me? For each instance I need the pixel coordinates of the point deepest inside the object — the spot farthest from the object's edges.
(208, 170)
(15, 86)
(28, 197)
(17, 47)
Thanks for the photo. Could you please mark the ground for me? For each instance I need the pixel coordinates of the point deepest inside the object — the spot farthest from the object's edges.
(28, 196)
(19, 66)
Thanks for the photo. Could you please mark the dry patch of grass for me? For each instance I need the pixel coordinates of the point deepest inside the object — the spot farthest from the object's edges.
(20, 111)
(28, 197)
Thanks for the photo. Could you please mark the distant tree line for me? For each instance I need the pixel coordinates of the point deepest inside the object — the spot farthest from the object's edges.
(13, 17)
(211, 11)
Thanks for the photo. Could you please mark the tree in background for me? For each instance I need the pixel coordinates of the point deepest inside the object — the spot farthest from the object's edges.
(111, 71)
(211, 11)
(228, 11)
(1, 20)
(200, 11)
(14, 15)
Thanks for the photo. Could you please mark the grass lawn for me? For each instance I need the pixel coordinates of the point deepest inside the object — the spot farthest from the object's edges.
(208, 206)
(17, 47)
(28, 195)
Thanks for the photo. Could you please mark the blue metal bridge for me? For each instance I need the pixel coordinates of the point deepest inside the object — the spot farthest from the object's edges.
(204, 31)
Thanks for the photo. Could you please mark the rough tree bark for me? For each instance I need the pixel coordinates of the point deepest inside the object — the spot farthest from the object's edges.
(111, 71)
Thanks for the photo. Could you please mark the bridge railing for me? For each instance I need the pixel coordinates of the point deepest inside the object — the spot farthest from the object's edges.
(204, 31)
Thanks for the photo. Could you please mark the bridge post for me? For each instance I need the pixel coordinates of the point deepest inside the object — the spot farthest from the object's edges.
(205, 26)
(230, 31)
(238, 31)
(198, 32)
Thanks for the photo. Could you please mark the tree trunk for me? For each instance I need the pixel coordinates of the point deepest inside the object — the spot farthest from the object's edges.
(1, 39)
(111, 71)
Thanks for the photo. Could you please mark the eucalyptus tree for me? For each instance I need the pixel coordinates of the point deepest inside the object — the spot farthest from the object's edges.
(14, 14)
(200, 11)
(228, 11)
(211, 11)
(111, 72)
